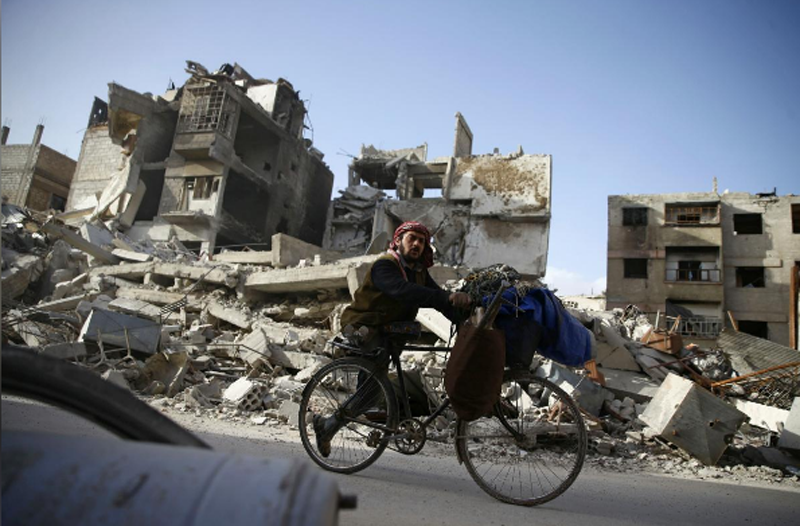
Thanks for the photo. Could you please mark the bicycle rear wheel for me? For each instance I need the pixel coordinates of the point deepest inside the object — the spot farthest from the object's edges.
(533, 446)
(356, 444)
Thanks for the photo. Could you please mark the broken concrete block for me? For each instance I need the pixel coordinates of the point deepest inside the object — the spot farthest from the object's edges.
(66, 304)
(790, 437)
(166, 370)
(254, 348)
(613, 353)
(299, 280)
(246, 394)
(586, 393)
(120, 330)
(15, 280)
(638, 386)
(760, 415)
(297, 360)
(251, 257)
(65, 351)
(290, 412)
(693, 419)
(80, 243)
(218, 275)
(436, 322)
(287, 251)
(138, 308)
(228, 314)
(130, 255)
(193, 302)
(116, 378)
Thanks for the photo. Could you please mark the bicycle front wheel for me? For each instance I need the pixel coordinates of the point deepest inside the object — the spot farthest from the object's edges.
(346, 408)
(533, 446)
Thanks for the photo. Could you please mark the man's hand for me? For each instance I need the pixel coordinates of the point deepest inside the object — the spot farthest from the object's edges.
(460, 300)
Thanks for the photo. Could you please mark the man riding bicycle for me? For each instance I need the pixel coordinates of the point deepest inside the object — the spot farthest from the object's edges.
(396, 287)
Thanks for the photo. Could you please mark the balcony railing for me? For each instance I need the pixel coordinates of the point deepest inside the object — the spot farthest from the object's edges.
(692, 215)
(706, 275)
(700, 327)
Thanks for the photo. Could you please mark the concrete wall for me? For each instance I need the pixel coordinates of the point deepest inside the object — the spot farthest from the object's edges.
(15, 182)
(776, 249)
(99, 159)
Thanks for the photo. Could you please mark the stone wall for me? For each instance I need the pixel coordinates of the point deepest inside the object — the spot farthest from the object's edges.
(99, 159)
(14, 159)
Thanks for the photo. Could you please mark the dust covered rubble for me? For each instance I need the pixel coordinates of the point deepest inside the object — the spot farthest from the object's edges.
(238, 341)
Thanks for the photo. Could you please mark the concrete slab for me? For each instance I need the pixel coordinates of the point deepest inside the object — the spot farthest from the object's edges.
(640, 387)
(66, 304)
(254, 348)
(693, 419)
(157, 297)
(760, 415)
(130, 255)
(251, 257)
(299, 279)
(790, 437)
(436, 322)
(287, 251)
(121, 330)
(228, 314)
(296, 359)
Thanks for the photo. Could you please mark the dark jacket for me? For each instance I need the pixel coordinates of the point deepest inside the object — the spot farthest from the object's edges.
(386, 296)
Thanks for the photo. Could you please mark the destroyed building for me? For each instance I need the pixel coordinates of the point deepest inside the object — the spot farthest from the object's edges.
(34, 175)
(218, 162)
(712, 259)
(482, 209)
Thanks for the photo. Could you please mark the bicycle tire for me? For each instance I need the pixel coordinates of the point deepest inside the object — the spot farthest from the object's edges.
(545, 457)
(323, 395)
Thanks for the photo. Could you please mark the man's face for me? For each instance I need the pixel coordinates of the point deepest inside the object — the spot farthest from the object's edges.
(411, 246)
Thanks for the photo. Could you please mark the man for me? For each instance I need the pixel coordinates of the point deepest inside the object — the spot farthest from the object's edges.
(395, 288)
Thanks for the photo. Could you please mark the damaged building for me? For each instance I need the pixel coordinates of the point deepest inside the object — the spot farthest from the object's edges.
(34, 175)
(711, 259)
(218, 162)
(482, 209)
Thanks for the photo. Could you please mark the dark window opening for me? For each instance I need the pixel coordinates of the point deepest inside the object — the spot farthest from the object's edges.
(99, 114)
(796, 219)
(750, 277)
(747, 224)
(246, 203)
(57, 203)
(154, 184)
(256, 146)
(754, 328)
(636, 268)
(634, 216)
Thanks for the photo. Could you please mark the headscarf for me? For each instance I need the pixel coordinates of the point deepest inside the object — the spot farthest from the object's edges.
(413, 226)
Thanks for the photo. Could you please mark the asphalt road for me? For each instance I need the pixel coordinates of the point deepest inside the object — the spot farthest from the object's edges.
(436, 490)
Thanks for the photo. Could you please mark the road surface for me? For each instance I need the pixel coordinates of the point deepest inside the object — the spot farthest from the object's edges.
(433, 489)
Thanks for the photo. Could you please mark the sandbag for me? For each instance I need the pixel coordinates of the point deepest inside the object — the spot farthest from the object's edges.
(474, 372)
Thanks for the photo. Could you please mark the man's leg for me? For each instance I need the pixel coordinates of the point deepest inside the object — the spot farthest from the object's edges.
(367, 396)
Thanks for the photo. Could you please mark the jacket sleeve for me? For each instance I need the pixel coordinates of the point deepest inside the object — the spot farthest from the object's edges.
(388, 279)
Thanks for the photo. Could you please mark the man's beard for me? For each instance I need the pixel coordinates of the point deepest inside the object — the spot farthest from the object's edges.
(410, 258)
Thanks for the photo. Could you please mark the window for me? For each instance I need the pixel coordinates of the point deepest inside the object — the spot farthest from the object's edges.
(755, 328)
(750, 277)
(634, 216)
(691, 215)
(747, 224)
(636, 268)
(202, 187)
(695, 264)
(796, 219)
(57, 202)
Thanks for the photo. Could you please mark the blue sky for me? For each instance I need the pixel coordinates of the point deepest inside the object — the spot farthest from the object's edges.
(628, 96)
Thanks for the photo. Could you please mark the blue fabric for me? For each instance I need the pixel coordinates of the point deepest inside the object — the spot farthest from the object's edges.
(563, 338)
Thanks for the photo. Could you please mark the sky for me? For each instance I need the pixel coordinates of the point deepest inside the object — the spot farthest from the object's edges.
(628, 96)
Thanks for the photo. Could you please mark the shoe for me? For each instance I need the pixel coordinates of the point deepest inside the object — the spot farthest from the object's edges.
(324, 429)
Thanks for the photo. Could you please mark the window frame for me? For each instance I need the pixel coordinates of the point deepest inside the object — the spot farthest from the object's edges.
(629, 272)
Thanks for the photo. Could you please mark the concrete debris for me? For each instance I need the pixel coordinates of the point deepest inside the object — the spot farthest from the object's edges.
(689, 416)
(246, 394)
(790, 438)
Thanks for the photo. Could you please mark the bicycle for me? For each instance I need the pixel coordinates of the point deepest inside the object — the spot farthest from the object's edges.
(527, 451)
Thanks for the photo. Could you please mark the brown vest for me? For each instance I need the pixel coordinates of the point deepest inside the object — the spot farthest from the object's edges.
(373, 308)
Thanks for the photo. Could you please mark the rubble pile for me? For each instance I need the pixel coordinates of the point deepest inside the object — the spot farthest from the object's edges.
(238, 342)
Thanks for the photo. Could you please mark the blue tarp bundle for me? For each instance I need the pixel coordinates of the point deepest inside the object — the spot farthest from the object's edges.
(538, 320)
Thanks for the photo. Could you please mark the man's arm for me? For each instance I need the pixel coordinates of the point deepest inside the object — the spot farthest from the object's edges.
(388, 279)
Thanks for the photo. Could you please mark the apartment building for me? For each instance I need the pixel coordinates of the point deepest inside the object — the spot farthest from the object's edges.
(712, 259)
